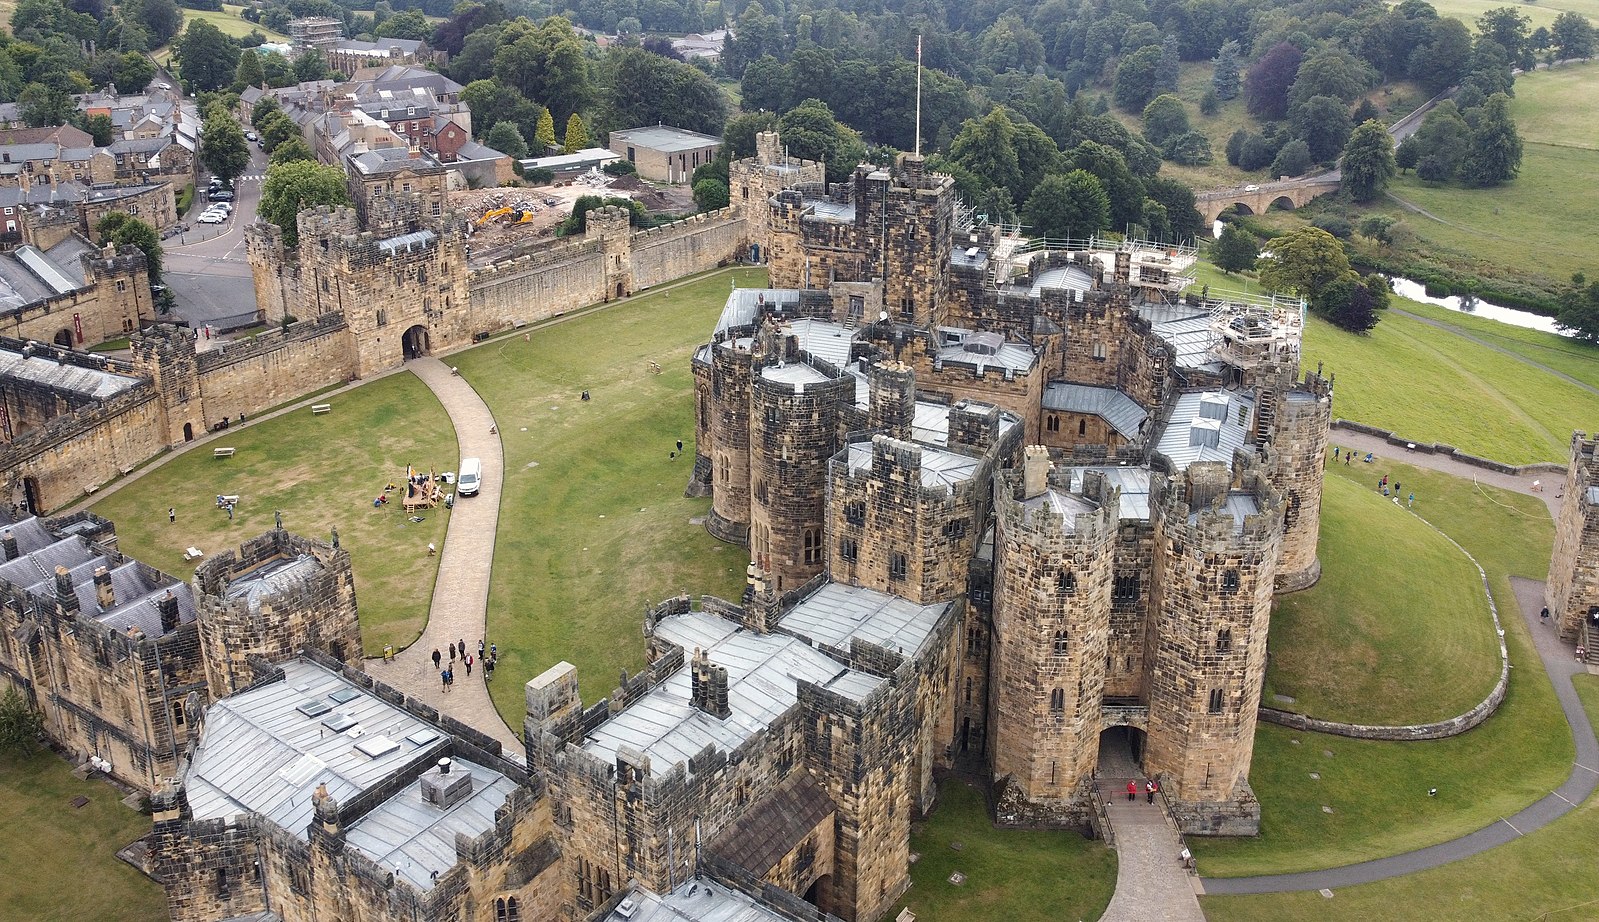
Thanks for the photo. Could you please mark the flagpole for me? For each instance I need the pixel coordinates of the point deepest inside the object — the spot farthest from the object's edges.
(918, 97)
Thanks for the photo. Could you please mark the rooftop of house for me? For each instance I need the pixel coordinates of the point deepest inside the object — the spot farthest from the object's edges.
(43, 368)
(940, 468)
(1114, 407)
(763, 673)
(581, 160)
(28, 274)
(1206, 426)
(266, 750)
(835, 614)
(396, 159)
(383, 46)
(1187, 328)
(1068, 278)
(664, 138)
(982, 351)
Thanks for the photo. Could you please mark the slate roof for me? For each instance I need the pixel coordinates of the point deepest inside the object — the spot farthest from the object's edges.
(836, 613)
(136, 588)
(1108, 403)
(1206, 426)
(30, 533)
(44, 369)
(759, 838)
(1066, 505)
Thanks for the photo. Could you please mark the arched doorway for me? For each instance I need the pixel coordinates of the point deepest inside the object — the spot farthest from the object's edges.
(415, 342)
(64, 338)
(621, 290)
(30, 494)
(188, 432)
(755, 253)
(1121, 753)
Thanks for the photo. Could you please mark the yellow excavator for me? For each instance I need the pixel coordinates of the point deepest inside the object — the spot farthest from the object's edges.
(491, 215)
(525, 217)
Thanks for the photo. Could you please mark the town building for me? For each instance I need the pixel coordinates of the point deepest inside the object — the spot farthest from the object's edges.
(315, 33)
(73, 293)
(349, 55)
(664, 153)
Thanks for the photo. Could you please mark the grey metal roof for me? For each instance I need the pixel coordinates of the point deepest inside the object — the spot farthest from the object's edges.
(744, 305)
(380, 47)
(44, 369)
(1186, 328)
(835, 613)
(665, 138)
(1593, 495)
(407, 242)
(259, 753)
(700, 900)
(940, 468)
(1070, 278)
(271, 578)
(1206, 426)
(1016, 357)
(1239, 505)
(930, 425)
(824, 339)
(1134, 484)
(763, 671)
(1108, 403)
(1066, 505)
(416, 839)
(970, 257)
(135, 588)
(829, 210)
(798, 374)
(47, 271)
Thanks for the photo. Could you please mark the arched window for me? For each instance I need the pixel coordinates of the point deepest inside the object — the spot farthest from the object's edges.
(1060, 643)
(1057, 700)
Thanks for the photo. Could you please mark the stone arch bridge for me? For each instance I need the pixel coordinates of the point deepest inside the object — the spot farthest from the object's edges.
(1256, 199)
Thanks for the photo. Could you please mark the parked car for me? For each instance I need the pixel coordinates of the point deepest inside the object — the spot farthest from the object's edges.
(250, 136)
(224, 207)
(222, 195)
(212, 217)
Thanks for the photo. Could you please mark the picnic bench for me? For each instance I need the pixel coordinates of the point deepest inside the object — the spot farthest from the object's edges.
(222, 452)
(317, 409)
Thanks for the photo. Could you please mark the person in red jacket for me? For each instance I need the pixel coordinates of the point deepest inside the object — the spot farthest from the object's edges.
(1132, 789)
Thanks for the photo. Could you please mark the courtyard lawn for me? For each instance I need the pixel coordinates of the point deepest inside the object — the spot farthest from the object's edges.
(58, 863)
(1378, 790)
(1015, 875)
(1370, 643)
(1546, 875)
(322, 472)
(594, 526)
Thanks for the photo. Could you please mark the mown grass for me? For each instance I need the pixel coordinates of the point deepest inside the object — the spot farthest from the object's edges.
(593, 522)
(1378, 790)
(1370, 643)
(58, 863)
(323, 472)
(1427, 384)
(1541, 14)
(1546, 875)
(1021, 875)
(229, 20)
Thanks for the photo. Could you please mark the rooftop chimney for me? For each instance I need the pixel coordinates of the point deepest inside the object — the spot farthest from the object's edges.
(104, 595)
(443, 788)
(8, 547)
(709, 686)
(1035, 471)
(167, 605)
(65, 597)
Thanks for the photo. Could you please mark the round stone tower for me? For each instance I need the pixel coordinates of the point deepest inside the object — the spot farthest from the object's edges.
(1298, 461)
(727, 406)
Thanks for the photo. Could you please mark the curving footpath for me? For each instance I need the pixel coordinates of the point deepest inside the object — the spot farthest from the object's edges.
(1582, 781)
(459, 610)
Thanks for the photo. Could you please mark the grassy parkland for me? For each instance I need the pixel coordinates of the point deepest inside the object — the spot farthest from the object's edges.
(323, 472)
(594, 526)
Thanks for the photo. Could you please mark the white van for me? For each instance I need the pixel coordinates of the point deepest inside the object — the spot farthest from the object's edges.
(470, 478)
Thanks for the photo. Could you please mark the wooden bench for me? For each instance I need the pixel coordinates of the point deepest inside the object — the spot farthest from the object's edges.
(222, 452)
(317, 409)
(193, 553)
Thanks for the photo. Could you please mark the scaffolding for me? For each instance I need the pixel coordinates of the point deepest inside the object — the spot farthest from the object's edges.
(1248, 331)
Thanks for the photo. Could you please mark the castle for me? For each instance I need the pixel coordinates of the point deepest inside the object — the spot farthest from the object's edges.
(1574, 568)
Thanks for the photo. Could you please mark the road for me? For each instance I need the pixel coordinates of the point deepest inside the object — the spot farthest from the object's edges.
(209, 275)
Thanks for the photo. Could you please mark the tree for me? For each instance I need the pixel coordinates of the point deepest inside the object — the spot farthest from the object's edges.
(134, 71)
(1268, 81)
(45, 106)
(1579, 310)
(409, 24)
(1495, 154)
(249, 72)
(310, 65)
(1293, 160)
(20, 725)
(1066, 205)
(1352, 303)
(1169, 69)
(1408, 154)
(1435, 168)
(627, 168)
(160, 18)
(493, 102)
(710, 194)
(1137, 79)
(1225, 80)
(222, 147)
(1235, 250)
(986, 147)
(1126, 191)
(1182, 211)
(1191, 148)
(263, 111)
(1235, 146)
(507, 139)
(1572, 36)
(1443, 59)
(766, 85)
(101, 128)
(640, 88)
(1303, 261)
(1257, 153)
(812, 133)
(1379, 227)
(290, 188)
(738, 137)
(1365, 112)
(1322, 122)
(291, 150)
(123, 229)
(207, 59)
(576, 137)
(544, 134)
(1368, 163)
(1507, 27)
(1164, 117)
(546, 62)
(276, 130)
(1334, 72)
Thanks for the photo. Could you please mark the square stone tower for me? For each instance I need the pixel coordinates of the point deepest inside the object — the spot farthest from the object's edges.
(1574, 568)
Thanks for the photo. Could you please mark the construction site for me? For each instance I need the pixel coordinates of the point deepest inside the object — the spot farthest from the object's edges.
(506, 216)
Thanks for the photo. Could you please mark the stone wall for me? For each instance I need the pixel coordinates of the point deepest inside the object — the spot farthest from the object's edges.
(694, 244)
(250, 375)
(1574, 566)
(76, 453)
(541, 284)
(1297, 459)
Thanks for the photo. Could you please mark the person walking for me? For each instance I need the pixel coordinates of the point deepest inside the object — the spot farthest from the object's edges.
(1543, 615)
(452, 652)
(172, 514)
(1150, 787)
(461, 645)
(1335, 452)
(480, 648)
(468, 660)
(488, 669)
(1411, 502)
(444, 680)
(1396, 488)
(494, 651)
(1132, 790)
(437, 656)
(1582, 654)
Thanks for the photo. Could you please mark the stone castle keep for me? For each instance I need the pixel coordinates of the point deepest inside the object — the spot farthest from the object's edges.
(1010, 510)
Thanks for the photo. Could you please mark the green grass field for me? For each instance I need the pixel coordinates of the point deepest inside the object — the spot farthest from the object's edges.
(593, 522)
(1377, 790)
(322, 472)
(1541, 14)
(1427, 384)
(231, 22)
(1547, 875)
(1371, 643)
(1012, 875)
(58, 863)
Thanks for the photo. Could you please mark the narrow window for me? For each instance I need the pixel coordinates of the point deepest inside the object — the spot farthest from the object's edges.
(1066, 582)
(1082, 427)
(1126, 587)
(1057, 700)
(855, 512)
(1215, 701)
(847, 549)
(1061, 644)
(383, 317)
(896, 566)
(813, 546)
(1224, 641)
(1053, 424)
(1229, 581)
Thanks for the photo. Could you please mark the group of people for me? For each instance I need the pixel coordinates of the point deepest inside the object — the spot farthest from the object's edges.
(1382, 486)
(487, 656)
(1151, 788)
(1349, 455)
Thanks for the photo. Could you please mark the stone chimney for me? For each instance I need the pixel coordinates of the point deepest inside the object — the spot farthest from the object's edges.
(708, 686)
(1124, 267)
(104, 595)
(8, 547)
(167, 605)
(65, 597)
(444, 788)
(1035, 471)
(327, 810)
(893, 398)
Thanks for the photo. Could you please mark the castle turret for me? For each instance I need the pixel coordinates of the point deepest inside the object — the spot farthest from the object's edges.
(1574, 567)
(1054, 561)
(612, 227)
(893, 398)
(1298, 460)
(1216, 547)
(165, 354)
(727, 403)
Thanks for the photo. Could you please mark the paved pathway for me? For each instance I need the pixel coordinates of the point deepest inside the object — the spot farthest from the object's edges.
(1150, 881)
(1584, 778)
(461, 593)
(1551, 483)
